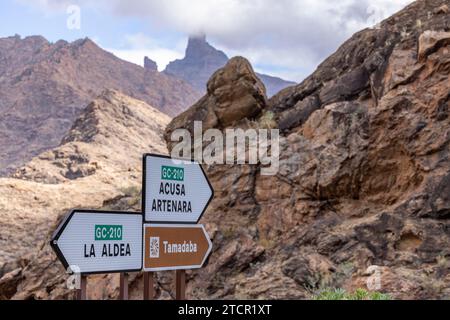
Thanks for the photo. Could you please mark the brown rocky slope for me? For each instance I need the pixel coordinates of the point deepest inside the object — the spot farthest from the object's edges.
(45, 86)
(362, 187)
(98, 161)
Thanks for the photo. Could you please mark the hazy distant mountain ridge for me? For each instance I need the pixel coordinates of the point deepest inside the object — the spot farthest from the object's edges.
(44, 86)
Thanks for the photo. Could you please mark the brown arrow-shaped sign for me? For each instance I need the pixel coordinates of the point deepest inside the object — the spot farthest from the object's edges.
(175, 247)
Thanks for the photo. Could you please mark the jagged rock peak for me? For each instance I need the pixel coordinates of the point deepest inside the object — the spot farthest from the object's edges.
(198, 37)
(361, 194)
(84, 42)
(150, 65)
(198, 48)
(367, 133)
(200, 62)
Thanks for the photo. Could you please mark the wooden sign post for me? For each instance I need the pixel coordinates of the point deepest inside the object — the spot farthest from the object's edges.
(81, 291)
(123, 286)
(180, 285)
(149, 292)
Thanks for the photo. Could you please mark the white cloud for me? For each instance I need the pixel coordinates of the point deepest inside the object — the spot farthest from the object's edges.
(293, 34)
(51, 6)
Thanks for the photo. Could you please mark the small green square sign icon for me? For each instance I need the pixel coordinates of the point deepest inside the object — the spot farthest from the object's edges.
(172, 173)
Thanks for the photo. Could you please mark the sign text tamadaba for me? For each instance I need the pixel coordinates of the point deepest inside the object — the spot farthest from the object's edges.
(175, 247)
(174, 191)
(90, 241)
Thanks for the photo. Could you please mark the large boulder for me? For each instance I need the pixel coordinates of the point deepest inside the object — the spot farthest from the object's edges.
(234, 93)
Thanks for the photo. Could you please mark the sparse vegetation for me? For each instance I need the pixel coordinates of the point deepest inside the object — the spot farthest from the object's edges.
(131, 190)
(267, 121)
(267, 243)
(359, 294)
(442, 262)
(323, 281)
(130, 199)
(229, 233)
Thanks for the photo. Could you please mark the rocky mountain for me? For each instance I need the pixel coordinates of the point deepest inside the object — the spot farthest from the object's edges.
(202, 60)
(98, 161)
(361, 198)
(44, 86)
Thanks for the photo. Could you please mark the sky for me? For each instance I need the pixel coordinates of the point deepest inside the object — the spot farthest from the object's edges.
(286, 38)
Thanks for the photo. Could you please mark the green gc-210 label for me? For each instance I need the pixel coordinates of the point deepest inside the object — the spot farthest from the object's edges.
(172, 173)
(108, 233)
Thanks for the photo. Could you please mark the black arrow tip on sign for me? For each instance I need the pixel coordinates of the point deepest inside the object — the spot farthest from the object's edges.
(55, 237)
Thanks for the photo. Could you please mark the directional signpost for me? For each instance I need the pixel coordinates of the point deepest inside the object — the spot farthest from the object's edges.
(92, 242)
(175, 195)
(174, 191)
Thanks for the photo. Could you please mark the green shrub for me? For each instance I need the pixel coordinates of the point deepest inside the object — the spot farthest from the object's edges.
(359, 294)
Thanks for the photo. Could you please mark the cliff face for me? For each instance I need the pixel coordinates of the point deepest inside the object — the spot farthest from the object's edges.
(45, 86)
(361, 193)
(202, 60)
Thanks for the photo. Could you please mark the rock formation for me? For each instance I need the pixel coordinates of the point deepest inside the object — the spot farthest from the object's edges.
(45, 86)
(150, 65)
(202, 60)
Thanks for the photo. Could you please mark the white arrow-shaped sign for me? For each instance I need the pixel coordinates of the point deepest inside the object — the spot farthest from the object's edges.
(91, 242)
(174, 191)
